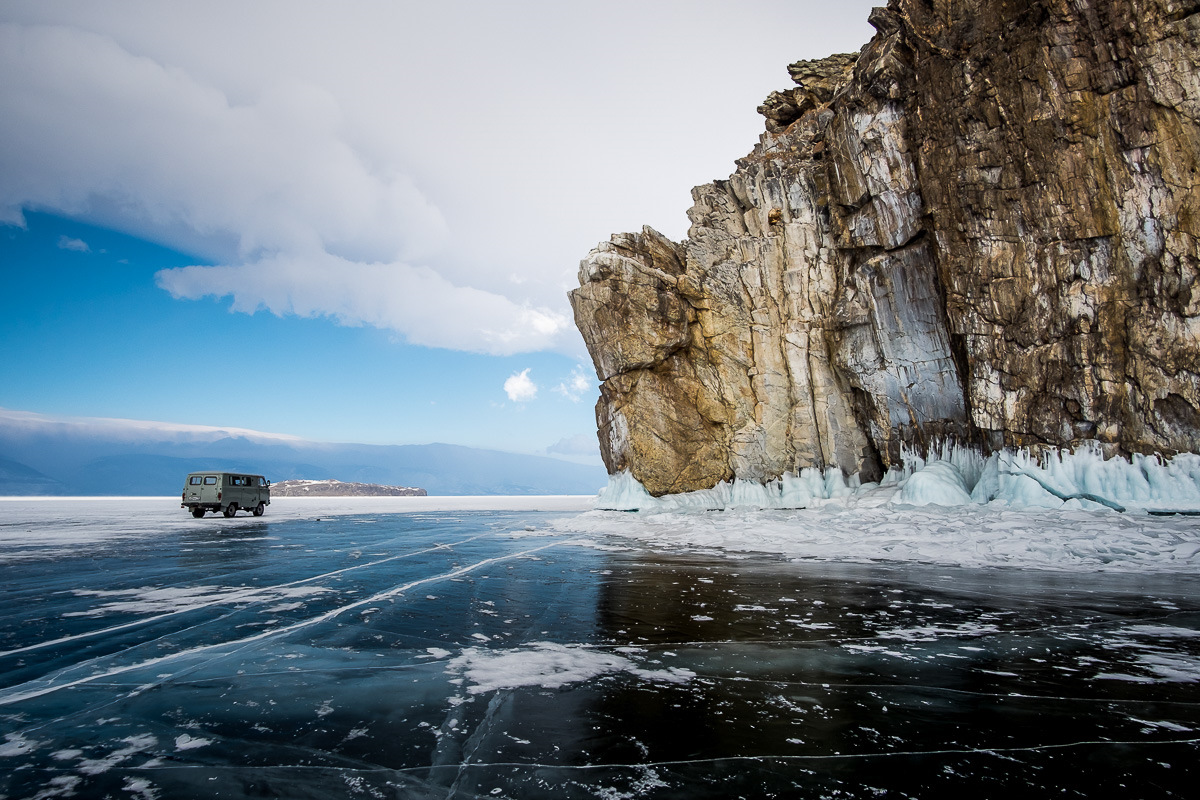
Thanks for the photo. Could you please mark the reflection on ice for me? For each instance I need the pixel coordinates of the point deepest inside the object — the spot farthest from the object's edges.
(527, 655)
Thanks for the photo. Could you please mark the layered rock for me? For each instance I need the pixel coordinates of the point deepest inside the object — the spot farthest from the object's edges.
(982, 227)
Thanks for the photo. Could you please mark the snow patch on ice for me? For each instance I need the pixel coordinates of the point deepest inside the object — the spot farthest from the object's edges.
(1162, 668)
(60, 786)
(186, 742)
(547, 665)
(140, 788)
(134, 745)
(932, 633)
(16, 745)
(160, 600)
(992, 535)
(1163, 631)
(1170, 726)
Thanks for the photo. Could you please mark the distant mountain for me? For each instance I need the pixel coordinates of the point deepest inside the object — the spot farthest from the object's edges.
(40, 455)
(16, 478)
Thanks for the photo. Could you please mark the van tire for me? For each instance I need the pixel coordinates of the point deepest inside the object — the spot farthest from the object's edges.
(231, 509)
(197, 512)
(259, 509)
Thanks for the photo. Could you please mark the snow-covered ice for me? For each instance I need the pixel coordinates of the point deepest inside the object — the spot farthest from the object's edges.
(958, 509)
(966, 536)
(364, 647)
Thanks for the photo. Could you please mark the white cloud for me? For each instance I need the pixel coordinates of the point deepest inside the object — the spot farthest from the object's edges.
(75, 245)
(414, 301)
(27, 422)
(577, 385)
(583, 444)
(520, 388)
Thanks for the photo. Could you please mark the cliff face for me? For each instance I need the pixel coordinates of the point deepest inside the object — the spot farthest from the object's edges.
(982, 228)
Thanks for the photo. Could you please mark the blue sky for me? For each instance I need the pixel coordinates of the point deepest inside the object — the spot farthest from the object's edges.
(353, 222)
(87, 332)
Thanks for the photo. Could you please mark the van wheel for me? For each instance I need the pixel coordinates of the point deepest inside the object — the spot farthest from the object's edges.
(259, 509)
(231, 509)
(197, 512)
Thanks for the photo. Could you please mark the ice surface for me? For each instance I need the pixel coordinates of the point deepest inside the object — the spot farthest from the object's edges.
(62, 524)
(965, 536)
(350, 648)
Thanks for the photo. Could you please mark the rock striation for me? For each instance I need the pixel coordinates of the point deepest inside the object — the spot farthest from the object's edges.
(981, 228)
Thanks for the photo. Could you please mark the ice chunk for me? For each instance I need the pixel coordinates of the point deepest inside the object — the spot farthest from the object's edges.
(939, 483)
(624, 493)
(953, 475)
(810, 487)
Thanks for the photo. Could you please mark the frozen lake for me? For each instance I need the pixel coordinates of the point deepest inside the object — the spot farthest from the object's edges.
(441, 647)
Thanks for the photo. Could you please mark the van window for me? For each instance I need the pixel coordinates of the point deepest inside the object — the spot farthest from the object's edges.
(194, 480)
(210, 480)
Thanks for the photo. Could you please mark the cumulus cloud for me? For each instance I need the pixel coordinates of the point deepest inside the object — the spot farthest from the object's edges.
(520, 388)
(75, 245)
(299, 220)
(577, 385)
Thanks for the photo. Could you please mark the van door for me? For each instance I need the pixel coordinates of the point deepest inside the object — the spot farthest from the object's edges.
(211, 489)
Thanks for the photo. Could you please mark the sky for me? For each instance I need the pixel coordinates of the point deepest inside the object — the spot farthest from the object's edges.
(354, 222)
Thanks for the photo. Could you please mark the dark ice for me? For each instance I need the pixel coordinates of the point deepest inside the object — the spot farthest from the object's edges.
(479, 654)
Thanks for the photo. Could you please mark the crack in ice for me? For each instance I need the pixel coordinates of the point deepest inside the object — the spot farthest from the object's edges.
(235, 596)
(15, 694)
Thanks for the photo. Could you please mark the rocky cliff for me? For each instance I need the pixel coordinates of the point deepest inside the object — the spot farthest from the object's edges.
(980, 228)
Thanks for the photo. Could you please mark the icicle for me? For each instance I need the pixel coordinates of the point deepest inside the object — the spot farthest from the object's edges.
(951, 474)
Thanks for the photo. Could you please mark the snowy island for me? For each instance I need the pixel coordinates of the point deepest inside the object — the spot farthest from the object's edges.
(335, 488)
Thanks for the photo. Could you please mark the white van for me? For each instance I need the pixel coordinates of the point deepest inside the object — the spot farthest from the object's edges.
(226, 492)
